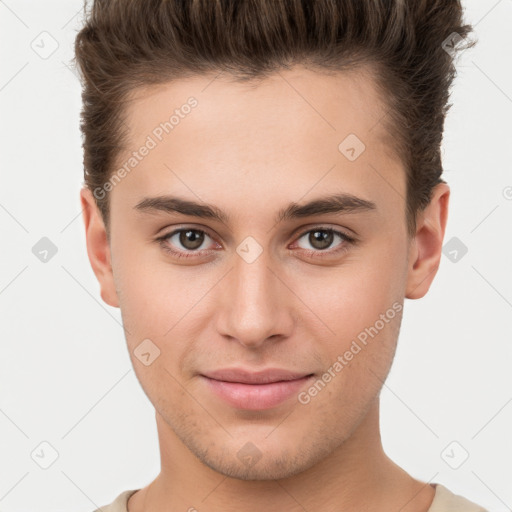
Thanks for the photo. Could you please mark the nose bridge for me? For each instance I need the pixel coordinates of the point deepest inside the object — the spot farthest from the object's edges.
(253, 309)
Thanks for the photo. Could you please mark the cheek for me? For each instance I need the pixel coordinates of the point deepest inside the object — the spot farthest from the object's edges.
(353, 296)
(153, 293)
(364, 321)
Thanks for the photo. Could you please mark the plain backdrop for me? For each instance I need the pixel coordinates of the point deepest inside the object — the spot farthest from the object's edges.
(67, 388)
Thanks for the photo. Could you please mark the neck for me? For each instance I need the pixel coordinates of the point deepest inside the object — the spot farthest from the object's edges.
(356, 476)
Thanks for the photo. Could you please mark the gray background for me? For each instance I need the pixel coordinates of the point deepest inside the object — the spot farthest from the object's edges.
(65, 375)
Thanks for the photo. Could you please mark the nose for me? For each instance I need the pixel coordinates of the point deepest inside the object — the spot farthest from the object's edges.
(254, 305)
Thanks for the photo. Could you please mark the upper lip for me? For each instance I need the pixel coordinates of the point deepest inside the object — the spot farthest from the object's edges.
(251, 377)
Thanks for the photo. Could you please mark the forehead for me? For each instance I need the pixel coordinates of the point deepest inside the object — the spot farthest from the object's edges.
(300, 99)
(281, 136)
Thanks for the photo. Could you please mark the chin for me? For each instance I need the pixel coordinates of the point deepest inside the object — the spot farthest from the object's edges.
(261, 471)
(271, 463)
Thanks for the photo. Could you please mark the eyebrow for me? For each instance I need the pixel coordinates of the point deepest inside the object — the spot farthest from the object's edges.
(336, 203)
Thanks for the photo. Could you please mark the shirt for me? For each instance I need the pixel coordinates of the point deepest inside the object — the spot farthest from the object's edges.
(444, 501)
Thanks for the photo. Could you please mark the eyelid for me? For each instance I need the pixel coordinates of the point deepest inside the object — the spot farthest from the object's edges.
(167, 235)
(320, 227)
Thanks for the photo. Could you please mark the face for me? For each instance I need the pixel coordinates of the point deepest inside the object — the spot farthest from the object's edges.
(247, 277)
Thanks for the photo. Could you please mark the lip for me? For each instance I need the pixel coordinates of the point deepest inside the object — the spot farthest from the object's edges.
(255, 390)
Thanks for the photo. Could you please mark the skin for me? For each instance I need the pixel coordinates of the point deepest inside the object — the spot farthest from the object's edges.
(251, 150)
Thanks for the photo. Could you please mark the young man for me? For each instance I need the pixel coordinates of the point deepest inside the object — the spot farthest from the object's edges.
(262, 192)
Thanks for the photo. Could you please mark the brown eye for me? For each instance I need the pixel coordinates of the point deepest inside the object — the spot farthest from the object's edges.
(183, 241)
(320, 241)
(320, 238)
(191, 239)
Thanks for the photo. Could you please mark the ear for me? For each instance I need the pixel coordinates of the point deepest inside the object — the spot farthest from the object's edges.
(98, 248)
(426, 246)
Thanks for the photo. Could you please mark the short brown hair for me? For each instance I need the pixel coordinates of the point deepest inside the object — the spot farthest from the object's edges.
(127, 44)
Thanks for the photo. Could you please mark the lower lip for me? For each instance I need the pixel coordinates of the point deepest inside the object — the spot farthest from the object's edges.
(256, 396)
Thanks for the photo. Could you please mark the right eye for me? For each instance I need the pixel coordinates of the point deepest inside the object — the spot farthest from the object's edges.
(190, 240)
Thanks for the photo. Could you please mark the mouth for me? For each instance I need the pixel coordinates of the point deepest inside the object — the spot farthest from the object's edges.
(255, 390)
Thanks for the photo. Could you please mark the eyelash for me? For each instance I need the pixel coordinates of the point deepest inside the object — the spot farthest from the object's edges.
(348, 240)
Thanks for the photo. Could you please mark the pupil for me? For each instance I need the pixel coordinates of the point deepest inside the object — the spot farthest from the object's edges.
(322, 241)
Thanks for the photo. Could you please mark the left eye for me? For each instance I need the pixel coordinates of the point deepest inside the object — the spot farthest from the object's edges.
(322, 238)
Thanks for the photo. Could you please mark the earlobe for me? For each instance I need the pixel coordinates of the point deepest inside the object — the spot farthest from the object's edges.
(98, 248)
(426, 249)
